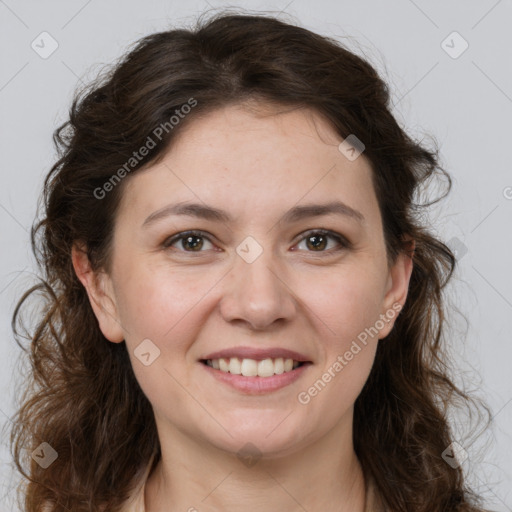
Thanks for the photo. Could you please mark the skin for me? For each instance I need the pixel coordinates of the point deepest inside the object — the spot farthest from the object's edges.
(189, 304)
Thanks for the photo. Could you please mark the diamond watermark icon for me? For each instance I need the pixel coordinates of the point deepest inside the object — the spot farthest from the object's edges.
(454, 45)
(351, 147)
(249, 249)
(44, 45)
(249, 455)
(147, 352)
(457, 247)
(44, 455)
(455, 455)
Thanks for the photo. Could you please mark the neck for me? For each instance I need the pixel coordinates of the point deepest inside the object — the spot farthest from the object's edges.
(323, 476)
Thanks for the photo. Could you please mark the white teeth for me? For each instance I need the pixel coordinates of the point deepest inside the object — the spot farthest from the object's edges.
(249, 368)
(278, 366)
(252, 368)
(266, 368)
(235, 366)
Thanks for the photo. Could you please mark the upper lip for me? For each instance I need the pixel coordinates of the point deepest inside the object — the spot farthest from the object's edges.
(257, 354)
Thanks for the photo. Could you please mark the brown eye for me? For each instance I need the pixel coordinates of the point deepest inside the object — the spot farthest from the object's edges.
(317, 241)
(191, 241)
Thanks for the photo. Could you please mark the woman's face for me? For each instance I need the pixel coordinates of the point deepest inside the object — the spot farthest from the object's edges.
(258, 277)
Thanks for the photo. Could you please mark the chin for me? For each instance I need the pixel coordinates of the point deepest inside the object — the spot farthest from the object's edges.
(270, 440)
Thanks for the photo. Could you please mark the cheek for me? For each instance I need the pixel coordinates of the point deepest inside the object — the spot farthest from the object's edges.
(346, 313)
(155, 301)
(161, 306)
(348, 303)
(169, 307)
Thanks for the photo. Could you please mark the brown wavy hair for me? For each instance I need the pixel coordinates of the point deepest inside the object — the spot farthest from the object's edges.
(82, 396)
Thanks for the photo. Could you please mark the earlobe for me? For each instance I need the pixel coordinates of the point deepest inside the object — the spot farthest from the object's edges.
(99, 290)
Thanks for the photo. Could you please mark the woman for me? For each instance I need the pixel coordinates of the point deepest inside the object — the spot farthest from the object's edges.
(244, 311)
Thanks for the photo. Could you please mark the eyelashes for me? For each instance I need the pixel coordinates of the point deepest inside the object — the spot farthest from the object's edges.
(191, 237)
(343, 243)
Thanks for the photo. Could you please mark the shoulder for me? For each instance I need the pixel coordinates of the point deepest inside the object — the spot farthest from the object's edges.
(135, 502)
(374, 502)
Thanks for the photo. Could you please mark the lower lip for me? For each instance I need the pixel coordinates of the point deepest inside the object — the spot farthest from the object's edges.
(257, 385)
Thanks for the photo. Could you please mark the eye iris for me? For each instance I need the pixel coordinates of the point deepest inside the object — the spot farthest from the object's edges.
(194, 245)
(317, 244)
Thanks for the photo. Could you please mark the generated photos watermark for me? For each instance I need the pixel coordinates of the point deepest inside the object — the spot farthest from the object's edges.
(144, 150)
(304, 397)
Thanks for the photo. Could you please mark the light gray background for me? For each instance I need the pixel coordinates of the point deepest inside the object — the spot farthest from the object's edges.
(465, 102)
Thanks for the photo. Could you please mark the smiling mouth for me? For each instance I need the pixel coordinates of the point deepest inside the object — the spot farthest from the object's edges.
(254, 368)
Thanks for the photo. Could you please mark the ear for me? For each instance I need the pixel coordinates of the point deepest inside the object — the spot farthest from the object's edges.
(99, 289)
(397, 287)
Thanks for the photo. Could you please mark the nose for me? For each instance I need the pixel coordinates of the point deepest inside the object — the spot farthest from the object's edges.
(256, 294)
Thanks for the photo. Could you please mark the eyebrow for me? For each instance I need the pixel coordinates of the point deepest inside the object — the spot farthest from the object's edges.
(297, 213)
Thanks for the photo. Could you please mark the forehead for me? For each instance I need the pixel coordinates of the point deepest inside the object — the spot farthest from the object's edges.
(254, 158)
